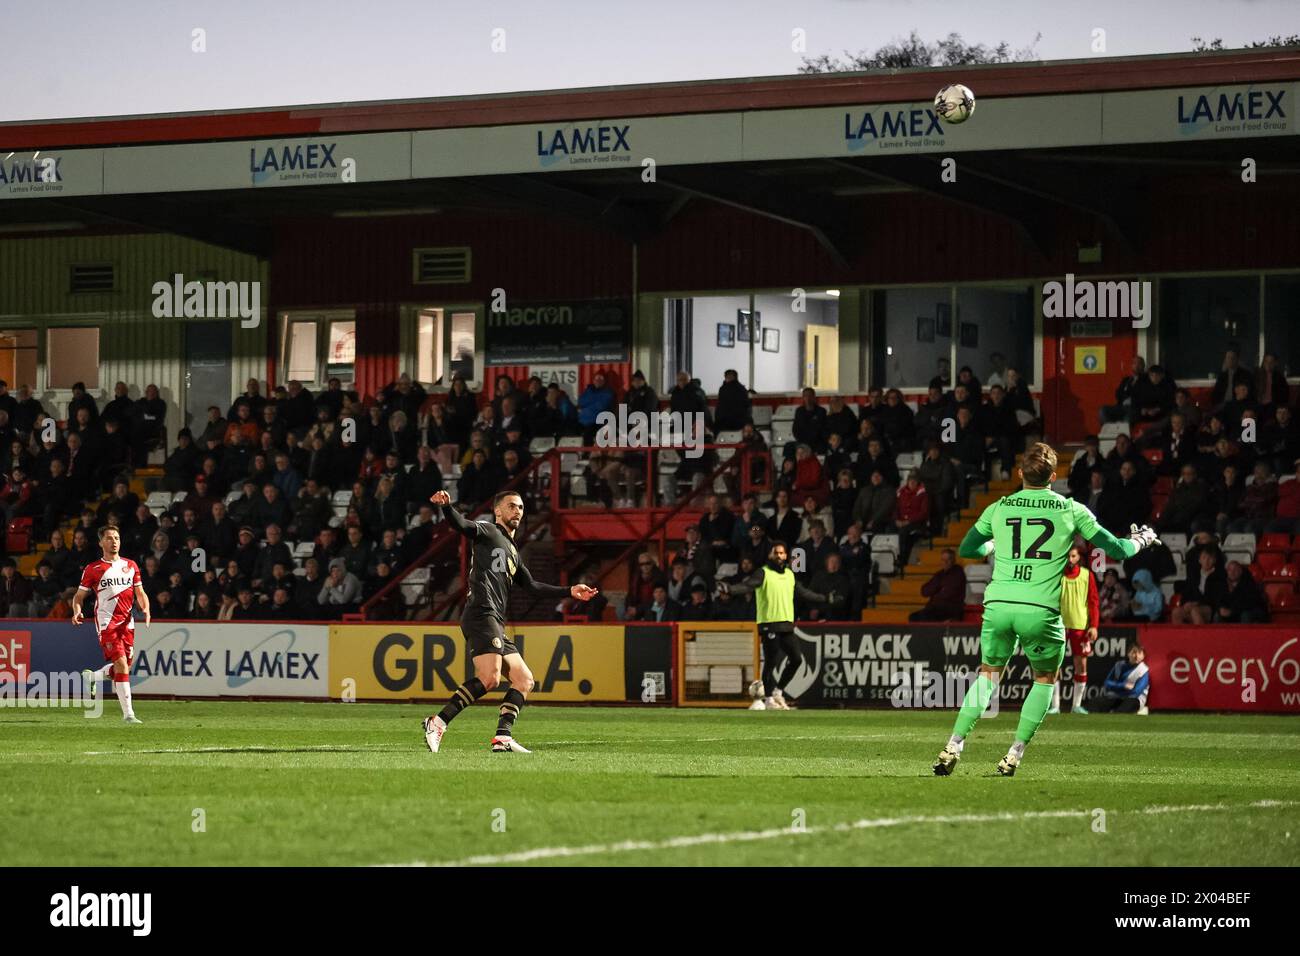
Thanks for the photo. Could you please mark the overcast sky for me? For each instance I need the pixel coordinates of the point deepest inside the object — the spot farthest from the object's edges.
(69, 58)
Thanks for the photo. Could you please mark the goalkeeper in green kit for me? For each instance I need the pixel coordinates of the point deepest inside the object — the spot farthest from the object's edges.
(1030, 533)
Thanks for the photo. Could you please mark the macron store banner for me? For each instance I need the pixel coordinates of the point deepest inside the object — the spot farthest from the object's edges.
(1026, 122)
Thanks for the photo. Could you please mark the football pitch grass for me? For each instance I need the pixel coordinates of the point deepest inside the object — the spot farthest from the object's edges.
(239, 783)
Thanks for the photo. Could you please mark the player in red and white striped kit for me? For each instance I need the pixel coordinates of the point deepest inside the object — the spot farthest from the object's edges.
(115, 582)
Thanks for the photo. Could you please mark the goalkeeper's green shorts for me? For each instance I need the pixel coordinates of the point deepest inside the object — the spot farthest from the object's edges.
(1041, 634)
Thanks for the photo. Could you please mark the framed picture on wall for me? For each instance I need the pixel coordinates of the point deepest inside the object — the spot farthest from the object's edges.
(943, 320)
(771, 340)
(726, 335)
(924, 328)
(748, 325)
(970, 335)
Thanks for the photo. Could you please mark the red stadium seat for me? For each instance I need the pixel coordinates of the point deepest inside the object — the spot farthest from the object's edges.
(1164, 485)
(1275, 541)
(1282, 596)
(1158, 503)
(1295, 542)
(1269, 562)
(1284, 617)
(1153, 455)
(18, 536)
(1288, 570)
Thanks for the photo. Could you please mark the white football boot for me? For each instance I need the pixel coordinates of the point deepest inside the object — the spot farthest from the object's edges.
(434, 728)
(508, 745)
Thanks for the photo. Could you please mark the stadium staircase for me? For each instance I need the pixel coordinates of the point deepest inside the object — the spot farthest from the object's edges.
(142, 481)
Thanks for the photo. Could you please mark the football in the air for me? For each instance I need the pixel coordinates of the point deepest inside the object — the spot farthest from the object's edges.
(954, 103)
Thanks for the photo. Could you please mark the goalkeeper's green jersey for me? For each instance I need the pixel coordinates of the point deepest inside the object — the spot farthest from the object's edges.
(1032, 532)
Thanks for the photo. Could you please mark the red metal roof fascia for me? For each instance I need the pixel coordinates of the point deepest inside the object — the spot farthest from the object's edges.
(706, 96)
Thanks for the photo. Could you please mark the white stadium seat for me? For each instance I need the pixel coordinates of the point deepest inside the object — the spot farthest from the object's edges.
(233, 497)
(784, 413)
(762, 415)
(885, 542)
(979, 572)
(1240, 541)
(728, 438)
(1175, 541)
(541, 445)
(782, 432)
(1111, 430)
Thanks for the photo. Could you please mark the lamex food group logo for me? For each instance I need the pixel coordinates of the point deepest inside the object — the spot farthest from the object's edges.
(917, 126)
(292, 161)
(1240, 111)
(582, 145)
(274, 657)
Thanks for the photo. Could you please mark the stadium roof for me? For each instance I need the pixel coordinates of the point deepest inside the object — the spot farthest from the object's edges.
(1099, 74)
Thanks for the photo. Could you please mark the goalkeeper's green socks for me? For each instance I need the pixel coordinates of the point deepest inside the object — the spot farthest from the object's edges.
(1032, 713)
(973, 705)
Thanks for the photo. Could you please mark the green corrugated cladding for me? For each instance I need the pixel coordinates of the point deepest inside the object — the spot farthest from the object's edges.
(134, 345)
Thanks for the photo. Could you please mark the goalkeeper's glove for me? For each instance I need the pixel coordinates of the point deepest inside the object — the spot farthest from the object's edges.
(1143, 536)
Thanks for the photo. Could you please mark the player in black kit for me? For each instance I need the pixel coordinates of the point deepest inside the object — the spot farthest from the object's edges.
(494, 566)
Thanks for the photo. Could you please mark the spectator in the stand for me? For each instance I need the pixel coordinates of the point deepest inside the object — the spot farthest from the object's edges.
(837, 455)
(462, 409)
(596, 399)
(307, 589)
(874, 457)
(1271, 390)
(1002, 435)
(1125, 502)
(816, 547)
(274, 552)
(1287, 518)
(1124, 409)
(641, 397)
(1239, 600)
(1114, 598)
(896, 422)
(1231, 374)
(1018, 395)
(479, 481)
(424, 479)
(843, 496)
(680, 580)
(749, 516)
(809, 479)
(733, 408)
(813, 511)
(832, 581)
(687, 398)
(45, 590)
(1226, 494)
(1258, 502)
(1190, 411)
(931, 415)
(855, 554)
(939, 475)
(15, 592)
(1148, 602)
(1177, 442)
(182, 464)
(438, 432)
(1153, 396)
(640, 590)
(26, 412)
(1085, 460)
(758, 545)
(1233, 409)
(874, 509)
(968, 447)
(8, 404)
(784, 524)
(716, 525)
(840, 420)
(1205, 582)
(341, 592)
(945, 591)
(1125, 451)
(1187, 504)
(403, 396)
(809, 422)
(271, 508)
(148, 417)
(911, 514)
(698, 553)
(661, 608)
(1279, 439)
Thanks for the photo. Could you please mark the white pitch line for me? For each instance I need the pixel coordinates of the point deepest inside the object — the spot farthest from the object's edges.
(321, 748)
(750, 836)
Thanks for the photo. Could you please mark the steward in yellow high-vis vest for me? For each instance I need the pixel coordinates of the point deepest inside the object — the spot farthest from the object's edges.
(1080, 615)
(774, 588)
